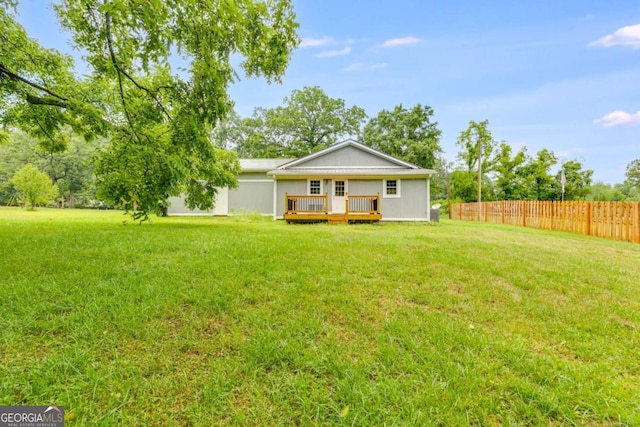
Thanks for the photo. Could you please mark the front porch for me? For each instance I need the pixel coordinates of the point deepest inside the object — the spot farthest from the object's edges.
(315, 208)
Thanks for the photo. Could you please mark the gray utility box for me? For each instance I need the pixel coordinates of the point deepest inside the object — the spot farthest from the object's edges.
(435, 215)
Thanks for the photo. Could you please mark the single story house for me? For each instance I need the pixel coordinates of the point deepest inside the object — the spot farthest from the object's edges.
(347, 181)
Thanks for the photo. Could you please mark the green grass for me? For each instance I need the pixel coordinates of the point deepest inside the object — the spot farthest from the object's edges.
(195, 321)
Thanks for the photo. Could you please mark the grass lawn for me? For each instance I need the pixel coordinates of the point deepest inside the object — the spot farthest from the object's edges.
(201, 321)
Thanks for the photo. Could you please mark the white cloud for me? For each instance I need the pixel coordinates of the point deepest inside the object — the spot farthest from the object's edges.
(402, 41)
(311, 42)
(619, 118)
(625, 36)
(354, 67)
(331, 53)
(365, 66)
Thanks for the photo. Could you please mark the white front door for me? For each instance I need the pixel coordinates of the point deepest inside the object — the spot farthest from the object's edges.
(339, 196)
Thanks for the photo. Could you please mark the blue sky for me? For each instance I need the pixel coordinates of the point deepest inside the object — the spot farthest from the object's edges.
(562, 75)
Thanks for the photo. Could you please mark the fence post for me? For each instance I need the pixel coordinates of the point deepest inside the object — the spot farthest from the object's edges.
(589, 216)
(524, 213)
(627, 212)
(637, 222)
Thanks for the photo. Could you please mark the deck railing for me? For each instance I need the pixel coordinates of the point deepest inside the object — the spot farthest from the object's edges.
(317, 203)
(363, 204)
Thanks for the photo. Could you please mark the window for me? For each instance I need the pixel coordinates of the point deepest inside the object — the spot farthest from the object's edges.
(339, 188)
(391, 188)
(315, 187)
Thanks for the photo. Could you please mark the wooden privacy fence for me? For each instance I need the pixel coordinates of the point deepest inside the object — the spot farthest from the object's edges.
(612, 220)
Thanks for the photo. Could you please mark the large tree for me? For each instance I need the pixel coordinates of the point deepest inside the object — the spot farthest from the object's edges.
(159, 121)
(537, 175)
(578, 181)
(633, 174)
(476, 136)
(251, 137)
(476, 145)
(508, 170)
(309, 120)
(409, 134)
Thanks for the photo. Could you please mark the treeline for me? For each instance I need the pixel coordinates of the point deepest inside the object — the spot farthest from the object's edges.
(70, 167)
(510, 175)
(308, 120)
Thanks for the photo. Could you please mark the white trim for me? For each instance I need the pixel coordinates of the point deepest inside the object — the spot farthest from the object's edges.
(275, 198)
(349, 167)
(398, 187)
(240, 212)
(359, 173)
(309, 186)
(428, 200)
(255, 180)
(195, 214)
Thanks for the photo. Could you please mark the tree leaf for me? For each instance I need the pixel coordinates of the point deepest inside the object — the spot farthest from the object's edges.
(345, 411)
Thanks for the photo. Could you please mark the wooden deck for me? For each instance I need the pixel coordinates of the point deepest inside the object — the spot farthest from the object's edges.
(331, 218)
(315, 208)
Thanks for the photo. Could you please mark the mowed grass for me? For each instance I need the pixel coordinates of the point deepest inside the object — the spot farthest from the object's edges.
(195, 321)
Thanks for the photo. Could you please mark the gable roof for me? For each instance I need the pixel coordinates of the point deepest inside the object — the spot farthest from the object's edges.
(342, 145)
(350, 158)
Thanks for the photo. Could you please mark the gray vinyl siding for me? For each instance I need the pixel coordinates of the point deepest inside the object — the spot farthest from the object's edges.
(411, 204)
(365, 186)
(295, 186)
(177, 207)
(252, 197)
(345, 158)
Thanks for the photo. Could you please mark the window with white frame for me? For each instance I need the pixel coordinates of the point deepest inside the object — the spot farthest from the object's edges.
(315, 186)
(391, 188)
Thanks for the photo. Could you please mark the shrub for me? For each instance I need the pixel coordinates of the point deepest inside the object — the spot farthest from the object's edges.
(35, 187)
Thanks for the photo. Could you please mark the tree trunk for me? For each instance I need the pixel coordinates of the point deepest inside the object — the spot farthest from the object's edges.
(72, 201)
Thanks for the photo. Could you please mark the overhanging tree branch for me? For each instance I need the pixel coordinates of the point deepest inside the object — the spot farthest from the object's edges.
(37, 100)
(147, 90)
(59, 101)
(112, 55)
(123, 72)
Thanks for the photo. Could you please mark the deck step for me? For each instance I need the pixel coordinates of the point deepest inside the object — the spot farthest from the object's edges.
(332, 218)
(337, 219)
